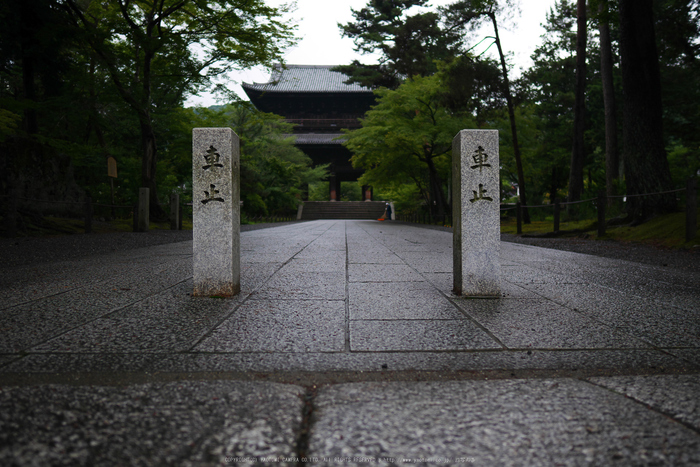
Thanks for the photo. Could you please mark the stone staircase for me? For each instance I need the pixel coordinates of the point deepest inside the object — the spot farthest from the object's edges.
(342, 210)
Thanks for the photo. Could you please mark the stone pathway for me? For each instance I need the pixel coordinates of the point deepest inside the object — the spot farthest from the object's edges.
(346, 345)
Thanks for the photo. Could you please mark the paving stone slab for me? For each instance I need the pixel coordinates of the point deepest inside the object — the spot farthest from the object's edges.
(659, 324)
(95, 363)
(257, 257)
(524, 275)
(428, 261)
(690, 355)
(600, 361)
(372, 256)
(677, 396)
(82, 277)
(7, 359)
(334, 264)
(281, 326)
(412, 335)
(303, 286)
(516, 422)
(400, 300)
(545, 325)
(254, 275)
(443, 281)
(383, 273)
(183, 423)
(170, 321)
(327, 255)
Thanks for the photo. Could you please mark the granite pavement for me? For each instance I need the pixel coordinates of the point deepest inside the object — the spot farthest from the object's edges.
(346, 346)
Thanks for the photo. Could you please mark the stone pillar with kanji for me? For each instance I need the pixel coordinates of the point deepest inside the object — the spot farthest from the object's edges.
(216, 212)
(476, 213)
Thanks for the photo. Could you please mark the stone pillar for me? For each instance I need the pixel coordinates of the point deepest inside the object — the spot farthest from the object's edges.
(476, 213)
(174, 211)
(143, 216)
(216, 212)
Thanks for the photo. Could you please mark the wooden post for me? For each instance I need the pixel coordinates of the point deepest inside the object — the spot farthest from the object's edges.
(518, 218)
(691, 209)
(143, 220)
(174, 211)
(111, 190)
(557, 214)
(602, 203)
(88, 214)
(12, 213)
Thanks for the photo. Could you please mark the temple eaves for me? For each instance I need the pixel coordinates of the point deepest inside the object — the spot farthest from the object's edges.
(306, 79)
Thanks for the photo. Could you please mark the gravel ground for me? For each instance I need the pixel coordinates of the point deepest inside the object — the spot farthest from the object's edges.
(641, 253)
(26, 251)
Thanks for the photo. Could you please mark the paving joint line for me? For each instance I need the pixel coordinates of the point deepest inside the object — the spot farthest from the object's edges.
(26, 352)
(647, 406)
(245, 300)
(595, 319)
(347, 292)
(451, 301)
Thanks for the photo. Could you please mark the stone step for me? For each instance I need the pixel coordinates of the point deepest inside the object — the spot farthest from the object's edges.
(343, 210)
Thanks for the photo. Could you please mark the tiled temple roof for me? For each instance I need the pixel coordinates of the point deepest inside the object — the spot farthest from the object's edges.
(306, 78)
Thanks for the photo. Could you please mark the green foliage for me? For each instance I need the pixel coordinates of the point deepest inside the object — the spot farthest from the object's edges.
(407, 138)
(319, 191)
(273, 171)
(350, 191)
(684, 163)
(9, 122)
(409, 44)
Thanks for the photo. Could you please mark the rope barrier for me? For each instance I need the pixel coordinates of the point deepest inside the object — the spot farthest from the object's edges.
(51, 202)
(112, 205)
(578, 202)
(647, 194)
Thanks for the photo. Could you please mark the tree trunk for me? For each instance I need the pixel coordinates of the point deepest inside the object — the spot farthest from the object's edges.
(646, 163)
(28, 46)
(577, 153)
(148, 168)
(511, 116)
(438, 209)
(612, 163)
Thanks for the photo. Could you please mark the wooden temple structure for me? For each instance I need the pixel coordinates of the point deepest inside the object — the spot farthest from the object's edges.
(320, 103)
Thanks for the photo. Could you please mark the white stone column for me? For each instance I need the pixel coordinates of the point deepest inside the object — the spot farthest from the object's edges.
(476, 213)
(216, 212)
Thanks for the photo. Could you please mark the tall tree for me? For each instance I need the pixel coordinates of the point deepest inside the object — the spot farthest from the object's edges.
(408, 135)
(578, 152)
(468, 12)
(612, 163)
(149, 44)
(646, 164)
(549, 86)
(409, 44)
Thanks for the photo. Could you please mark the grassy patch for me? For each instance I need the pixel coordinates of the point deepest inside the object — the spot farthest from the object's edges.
(49, 226)
(509, 225)
(667, 231)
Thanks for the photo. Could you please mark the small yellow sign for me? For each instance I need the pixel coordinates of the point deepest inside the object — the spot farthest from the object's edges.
(111, 167)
